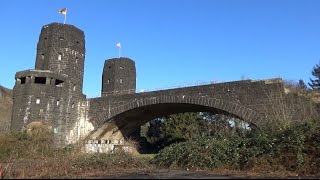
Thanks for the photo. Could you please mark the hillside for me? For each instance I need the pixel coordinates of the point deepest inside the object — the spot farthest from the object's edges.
(5, 108)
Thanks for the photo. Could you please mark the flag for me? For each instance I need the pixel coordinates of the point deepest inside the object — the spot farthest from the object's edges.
(119, 48)
(63, 11)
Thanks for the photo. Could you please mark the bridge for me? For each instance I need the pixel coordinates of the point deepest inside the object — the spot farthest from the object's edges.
(116, 116)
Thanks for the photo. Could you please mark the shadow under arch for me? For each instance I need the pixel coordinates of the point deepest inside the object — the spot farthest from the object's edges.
(128, 117)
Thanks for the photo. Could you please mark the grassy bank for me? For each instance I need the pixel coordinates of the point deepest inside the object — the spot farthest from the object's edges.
(290, 152)
(32, 155)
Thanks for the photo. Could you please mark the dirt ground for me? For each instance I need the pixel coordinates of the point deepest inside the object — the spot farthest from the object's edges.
(186, 174)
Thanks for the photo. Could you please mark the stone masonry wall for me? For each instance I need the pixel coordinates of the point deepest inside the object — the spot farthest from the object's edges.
(251, 94)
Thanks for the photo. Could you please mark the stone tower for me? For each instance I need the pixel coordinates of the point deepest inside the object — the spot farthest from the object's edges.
(119, 77)
(52, 93)
(61, 49)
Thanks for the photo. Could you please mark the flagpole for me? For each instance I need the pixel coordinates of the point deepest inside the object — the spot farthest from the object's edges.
(65, 17)
(119, 47)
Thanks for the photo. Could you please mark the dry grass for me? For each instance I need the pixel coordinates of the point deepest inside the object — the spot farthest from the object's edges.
(31, 154)
(74, 166)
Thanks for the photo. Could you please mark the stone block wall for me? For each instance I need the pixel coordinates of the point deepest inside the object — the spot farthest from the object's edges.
(251, 94)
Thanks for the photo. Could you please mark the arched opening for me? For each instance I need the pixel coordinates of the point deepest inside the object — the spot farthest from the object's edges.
(189, 126)
(139, 125)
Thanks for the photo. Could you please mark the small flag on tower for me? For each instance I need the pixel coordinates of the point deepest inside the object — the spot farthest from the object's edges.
(119, 46)
(63, 11)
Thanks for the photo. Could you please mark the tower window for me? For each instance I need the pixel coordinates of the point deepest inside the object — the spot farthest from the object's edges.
(42, 56)
(109, 67)
(58, 102)
(40, 80)
(23, 80)
(74, 87)
(61, 38)
(72, 106)
(59, 83)
(120, 81)
(59, 56)
(121, 67)
(108, 81)
(38, 101)
(77, 59)
(45, 38)
(77, 42)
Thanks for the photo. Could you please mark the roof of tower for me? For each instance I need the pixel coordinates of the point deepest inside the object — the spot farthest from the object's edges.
(119, 59)
(61, 25)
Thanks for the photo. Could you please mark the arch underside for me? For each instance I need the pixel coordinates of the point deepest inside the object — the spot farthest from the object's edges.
(128, 117)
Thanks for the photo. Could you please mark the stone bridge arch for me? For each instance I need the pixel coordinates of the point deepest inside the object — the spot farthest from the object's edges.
(234, 109)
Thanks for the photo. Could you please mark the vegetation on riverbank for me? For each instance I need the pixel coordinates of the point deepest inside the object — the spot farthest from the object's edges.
(32, 155)
(294, 151)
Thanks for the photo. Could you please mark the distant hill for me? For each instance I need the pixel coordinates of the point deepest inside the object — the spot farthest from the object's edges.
(5, 108)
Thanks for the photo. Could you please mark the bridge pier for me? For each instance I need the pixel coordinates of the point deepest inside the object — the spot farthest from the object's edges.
(107, 140)
(107, 146)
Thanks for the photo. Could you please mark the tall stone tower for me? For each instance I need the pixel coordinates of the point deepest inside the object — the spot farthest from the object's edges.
(52, 92)
(61, 49)
(119, 77)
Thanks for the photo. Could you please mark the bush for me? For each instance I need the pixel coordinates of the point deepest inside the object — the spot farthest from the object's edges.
(296, 149)
(34, 143)
(202, 153)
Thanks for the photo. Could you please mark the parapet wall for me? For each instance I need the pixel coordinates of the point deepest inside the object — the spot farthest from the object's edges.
(38, 96)
(48, 97)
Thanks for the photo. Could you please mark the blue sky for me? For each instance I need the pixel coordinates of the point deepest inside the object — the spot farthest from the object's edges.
(173, 42)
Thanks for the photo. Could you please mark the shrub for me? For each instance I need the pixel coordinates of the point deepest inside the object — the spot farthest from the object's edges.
(201, 153)
(33, 143)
